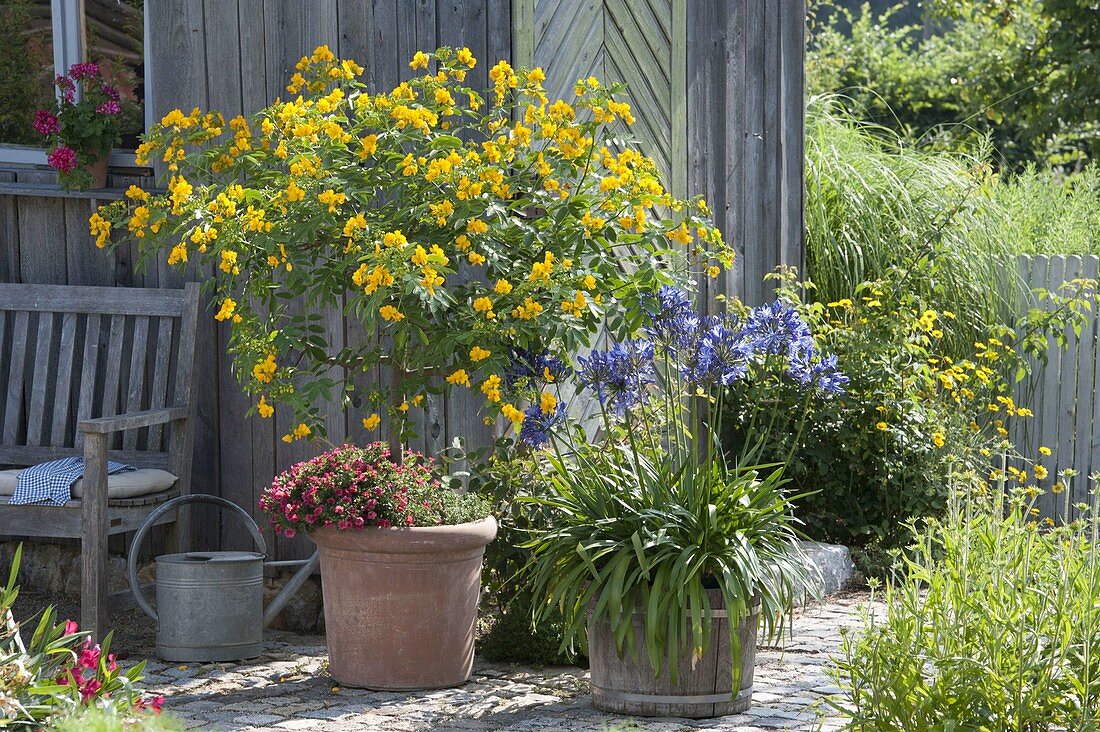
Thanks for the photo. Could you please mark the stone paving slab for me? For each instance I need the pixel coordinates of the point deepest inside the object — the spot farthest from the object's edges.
(287, 688)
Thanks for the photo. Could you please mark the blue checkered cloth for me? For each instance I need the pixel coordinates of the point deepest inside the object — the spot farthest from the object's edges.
(51, 483)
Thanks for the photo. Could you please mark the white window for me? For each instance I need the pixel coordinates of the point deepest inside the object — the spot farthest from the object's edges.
(40, 39)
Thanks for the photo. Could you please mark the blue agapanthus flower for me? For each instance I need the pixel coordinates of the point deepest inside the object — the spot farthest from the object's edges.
(822, 374)
(537, 424)
(619, 376)
(778, 328)
(673, 321)
(528, 364)
(722, 356)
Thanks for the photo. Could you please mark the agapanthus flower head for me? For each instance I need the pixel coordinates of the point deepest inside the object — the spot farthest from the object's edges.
(619, 376)
(62, 158)
(45, 123)
(109, 107)
(778, 328)
(85, 70)
(671, 318)
(722, 355)
(538, 424)
(821, 374)
(530, 364)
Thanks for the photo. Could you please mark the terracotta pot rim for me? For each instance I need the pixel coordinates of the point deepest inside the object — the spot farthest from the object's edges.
(409, 539)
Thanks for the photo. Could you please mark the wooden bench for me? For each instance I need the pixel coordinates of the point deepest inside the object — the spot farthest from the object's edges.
(102, 372)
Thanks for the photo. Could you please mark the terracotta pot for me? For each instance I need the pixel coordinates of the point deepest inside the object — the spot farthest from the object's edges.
(401, 604)
(627, 684)
(98, 171)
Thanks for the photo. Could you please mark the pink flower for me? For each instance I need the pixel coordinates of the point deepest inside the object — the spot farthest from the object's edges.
(71, 627)
(62, 158)
(89, 689)
(109, 107)
(45, 123)
(84, 71)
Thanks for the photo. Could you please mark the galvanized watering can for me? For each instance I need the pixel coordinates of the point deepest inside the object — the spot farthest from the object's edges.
(210, 605)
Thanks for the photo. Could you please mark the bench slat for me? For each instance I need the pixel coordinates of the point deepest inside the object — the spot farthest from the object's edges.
(23, 456)
(42, 379)
(59, 431)
(136, 387)
(14, 408)
(88, 370)
(113, 370)
(161, 367)
(102, 300)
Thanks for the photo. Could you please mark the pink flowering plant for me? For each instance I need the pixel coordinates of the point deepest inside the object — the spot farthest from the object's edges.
(59, 670)
(353, 487)
(84, 125)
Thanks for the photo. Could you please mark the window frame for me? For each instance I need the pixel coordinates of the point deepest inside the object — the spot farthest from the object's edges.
(69, 41)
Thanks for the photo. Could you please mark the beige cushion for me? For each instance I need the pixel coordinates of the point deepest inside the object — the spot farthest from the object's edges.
(124, 485)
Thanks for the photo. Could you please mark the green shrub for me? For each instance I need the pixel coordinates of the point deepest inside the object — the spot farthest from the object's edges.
(57, 670)
(1020, 73)
(995, 625)
(914, 410)
(508, 598)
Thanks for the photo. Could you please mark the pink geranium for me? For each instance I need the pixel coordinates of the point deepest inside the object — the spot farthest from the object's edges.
(46, 123)
(62, 158)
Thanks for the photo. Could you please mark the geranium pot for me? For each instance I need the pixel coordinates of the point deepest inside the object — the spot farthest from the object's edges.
(97, 169)
(627, 685)
(401, 603)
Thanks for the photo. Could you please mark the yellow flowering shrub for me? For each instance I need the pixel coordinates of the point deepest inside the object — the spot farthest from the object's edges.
(460, 226)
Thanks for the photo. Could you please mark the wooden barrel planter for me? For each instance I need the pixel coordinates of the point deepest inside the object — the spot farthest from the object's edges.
(628, 685)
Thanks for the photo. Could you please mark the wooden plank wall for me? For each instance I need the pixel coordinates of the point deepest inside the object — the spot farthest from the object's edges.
(716, 87)
(1062, 393)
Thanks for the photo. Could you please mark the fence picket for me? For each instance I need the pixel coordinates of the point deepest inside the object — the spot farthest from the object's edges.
(1086, 383)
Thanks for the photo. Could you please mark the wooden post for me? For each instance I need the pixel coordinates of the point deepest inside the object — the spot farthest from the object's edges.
(93, 595)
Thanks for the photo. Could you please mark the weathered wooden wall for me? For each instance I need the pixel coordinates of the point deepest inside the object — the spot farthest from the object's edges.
(716, 86)
(1064, 393)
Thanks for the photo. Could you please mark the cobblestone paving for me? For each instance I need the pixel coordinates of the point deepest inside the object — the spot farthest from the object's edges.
(288, 689)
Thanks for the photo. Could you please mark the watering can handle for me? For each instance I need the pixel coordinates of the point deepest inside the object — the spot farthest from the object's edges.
(139, 537)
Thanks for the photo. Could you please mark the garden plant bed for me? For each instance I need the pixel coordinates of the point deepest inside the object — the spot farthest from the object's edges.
(288, 689)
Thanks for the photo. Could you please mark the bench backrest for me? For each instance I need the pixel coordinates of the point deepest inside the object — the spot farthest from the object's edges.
(70, 353)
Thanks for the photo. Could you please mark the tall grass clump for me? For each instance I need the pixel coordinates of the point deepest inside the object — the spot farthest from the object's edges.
(994, 625)
(876, 204)
(1052, 213)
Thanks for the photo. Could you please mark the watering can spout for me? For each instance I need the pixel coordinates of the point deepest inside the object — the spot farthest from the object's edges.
(290, 588)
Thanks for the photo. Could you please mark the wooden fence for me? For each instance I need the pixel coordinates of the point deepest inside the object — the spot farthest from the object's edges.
(1064, 394)
(716, 86)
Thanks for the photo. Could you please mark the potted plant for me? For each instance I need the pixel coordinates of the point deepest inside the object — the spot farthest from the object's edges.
(83, 127)
(663, 553)
(395, 545)
(480, 237)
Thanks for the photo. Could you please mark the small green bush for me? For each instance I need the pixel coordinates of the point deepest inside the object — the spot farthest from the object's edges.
(915, 409)
(500, 480)
(993, 626)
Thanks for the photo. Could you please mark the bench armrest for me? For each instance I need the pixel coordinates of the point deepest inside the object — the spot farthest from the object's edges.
(132, 421)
